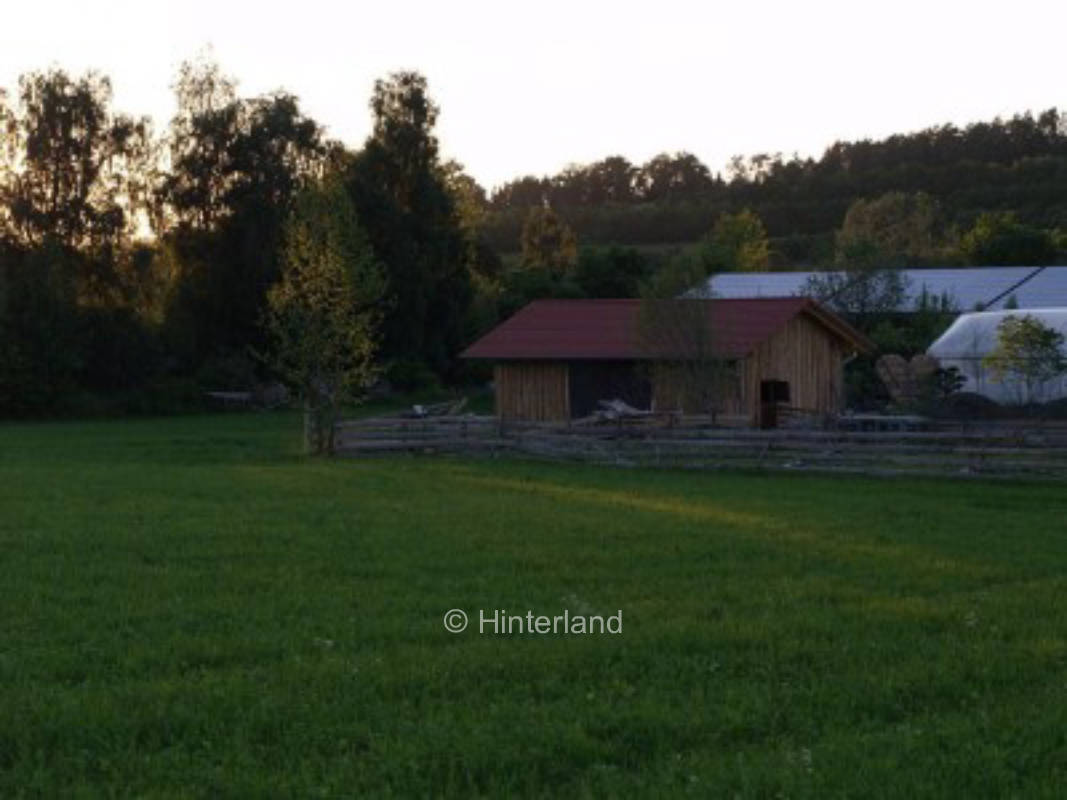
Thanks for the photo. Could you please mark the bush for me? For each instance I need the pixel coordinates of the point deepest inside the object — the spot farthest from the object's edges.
(162, 397)
(119, 353)
(228, 372)
(968, 405)
(412, 376)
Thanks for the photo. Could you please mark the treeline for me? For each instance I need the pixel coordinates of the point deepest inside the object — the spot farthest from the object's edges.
(135, 265)
(1017, 165)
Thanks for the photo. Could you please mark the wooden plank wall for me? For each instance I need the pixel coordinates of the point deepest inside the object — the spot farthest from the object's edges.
(669, 390)
(805, 354)
(537, 390)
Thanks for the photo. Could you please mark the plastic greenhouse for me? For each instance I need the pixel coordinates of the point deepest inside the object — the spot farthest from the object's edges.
(973, 336)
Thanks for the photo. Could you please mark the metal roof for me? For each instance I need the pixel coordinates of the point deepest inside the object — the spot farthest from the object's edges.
(968, 288)
(610, 329)
(1046, 289)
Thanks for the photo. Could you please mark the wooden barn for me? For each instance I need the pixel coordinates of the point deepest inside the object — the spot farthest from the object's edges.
(556, 359)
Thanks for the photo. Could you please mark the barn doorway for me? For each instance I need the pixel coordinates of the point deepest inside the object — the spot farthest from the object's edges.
(593, 381)
(772, 394)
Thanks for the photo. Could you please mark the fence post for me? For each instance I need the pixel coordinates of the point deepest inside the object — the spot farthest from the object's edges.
(763, 454)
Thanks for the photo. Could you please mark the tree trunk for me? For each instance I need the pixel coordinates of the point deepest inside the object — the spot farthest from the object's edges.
(309, 427)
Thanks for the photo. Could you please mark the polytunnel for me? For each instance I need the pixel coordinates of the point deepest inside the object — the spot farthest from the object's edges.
(973, 336)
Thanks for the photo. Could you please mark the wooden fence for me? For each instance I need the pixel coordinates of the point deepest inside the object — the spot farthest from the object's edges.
(374, 435)
(988, 451)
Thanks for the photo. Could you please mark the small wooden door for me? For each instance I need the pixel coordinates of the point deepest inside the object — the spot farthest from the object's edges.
(771, 395)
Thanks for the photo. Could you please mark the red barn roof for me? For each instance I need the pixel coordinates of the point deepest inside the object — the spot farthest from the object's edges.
(609, 329)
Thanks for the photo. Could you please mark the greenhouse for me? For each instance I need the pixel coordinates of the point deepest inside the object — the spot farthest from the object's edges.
(973, 336)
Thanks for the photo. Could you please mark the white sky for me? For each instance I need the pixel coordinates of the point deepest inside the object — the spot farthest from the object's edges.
(530, 87)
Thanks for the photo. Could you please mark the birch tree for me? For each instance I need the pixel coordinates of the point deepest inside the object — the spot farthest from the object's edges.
(324, 312)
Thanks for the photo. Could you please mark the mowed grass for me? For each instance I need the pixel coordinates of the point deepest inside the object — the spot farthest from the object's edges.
(192, 609)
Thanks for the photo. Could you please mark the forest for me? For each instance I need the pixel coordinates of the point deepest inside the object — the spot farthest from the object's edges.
(1016, 166)
(141, 267)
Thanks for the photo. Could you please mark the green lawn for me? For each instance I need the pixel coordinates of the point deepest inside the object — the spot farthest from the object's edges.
(191, 609)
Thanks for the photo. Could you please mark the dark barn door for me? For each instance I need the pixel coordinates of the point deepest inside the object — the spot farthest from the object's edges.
(771, 395)
(593, 381)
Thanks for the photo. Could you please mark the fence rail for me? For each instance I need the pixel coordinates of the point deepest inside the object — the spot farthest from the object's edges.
(1021, 450)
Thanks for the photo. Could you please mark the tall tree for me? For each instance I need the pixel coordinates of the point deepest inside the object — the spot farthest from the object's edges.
(865, 296)
(738, 242)
(611, 180)
(236, 165)
(468, 196)
(547, 242)
(9, 166)
(999, 239)
(323, 313)
(71, 170)
(611, 271)
(673, 177)
(401, 196)
(676, 333)
(201, 138)
(893, 230)
(40, 328)
(524, 192)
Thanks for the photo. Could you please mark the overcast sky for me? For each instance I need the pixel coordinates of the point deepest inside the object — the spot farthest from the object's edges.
(530, 87)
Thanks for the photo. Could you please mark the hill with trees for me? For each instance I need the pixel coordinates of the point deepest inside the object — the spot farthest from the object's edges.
(1016, 166)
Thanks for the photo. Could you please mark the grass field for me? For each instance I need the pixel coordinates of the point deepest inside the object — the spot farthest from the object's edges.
(191, 609)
